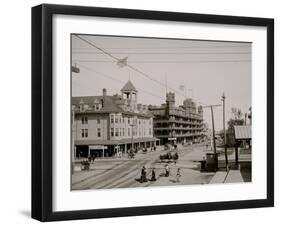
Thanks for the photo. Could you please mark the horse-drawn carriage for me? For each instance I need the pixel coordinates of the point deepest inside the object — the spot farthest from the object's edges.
(170, 155)
(85, 165)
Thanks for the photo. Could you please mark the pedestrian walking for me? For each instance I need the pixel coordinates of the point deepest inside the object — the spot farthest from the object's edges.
(178, 175)
(153, 176)
(167, 170)
(143, 175)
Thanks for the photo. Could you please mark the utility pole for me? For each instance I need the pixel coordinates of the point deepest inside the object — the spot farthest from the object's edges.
(224, 131)
(214, 134)
(213, 124)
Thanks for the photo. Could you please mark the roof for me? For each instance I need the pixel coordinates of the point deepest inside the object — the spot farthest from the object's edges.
(112, 104)
(243, 132)
(109, 105)
(129, 87)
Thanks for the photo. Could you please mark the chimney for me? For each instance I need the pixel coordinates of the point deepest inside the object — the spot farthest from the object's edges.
(104, 92)
(103, 96)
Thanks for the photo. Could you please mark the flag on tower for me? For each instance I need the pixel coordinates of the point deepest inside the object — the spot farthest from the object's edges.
(122, 62)
(182, 88)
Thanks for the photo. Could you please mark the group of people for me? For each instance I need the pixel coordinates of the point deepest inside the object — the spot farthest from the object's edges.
(143, 177)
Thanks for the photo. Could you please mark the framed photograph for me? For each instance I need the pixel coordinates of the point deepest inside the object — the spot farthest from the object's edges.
(145, 112)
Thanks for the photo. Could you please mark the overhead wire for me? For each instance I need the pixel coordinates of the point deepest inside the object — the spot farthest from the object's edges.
(168, 62)
(117, 80)
(176, 47)
(159, 53)
(128, 65)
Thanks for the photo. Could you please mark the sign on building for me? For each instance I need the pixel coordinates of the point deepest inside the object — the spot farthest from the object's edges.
(97, 147)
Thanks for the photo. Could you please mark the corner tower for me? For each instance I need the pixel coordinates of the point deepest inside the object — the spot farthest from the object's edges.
(130, 95)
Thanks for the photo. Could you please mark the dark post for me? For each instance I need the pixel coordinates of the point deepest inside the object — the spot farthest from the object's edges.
(236, 155)
(214, 135)
(132, 126)
(225, 148)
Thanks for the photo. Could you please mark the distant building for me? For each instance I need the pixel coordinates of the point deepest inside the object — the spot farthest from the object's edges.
(180, 124)
(111, 125)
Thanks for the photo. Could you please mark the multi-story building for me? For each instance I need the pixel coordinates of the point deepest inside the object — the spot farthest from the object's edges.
(174, 124)
(111, 125)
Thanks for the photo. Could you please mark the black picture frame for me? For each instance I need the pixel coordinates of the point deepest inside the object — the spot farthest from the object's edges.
(42, 111)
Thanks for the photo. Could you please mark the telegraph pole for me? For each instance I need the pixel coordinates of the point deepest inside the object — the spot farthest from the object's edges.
(213, 124)
(224, 131)
(214, 134)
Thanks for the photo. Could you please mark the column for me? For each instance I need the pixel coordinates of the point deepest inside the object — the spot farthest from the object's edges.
(74, 153)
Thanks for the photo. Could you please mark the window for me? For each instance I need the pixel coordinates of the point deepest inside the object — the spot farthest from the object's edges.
(112, 132)
(116, 119)
(129, 121)
(112, 118)
(123, 131)
(99, 132)
(98, 120)
(84, 132)
(149, 131)
(84, 120)
(116, 132)
(129, 132)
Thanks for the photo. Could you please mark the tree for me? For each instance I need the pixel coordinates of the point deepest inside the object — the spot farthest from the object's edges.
(236, 120)
(237, 113)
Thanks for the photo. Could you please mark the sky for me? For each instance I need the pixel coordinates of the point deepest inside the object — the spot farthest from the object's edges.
(206, 69)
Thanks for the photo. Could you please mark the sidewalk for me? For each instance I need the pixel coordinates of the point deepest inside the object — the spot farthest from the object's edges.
(232, 176)
(219, 177)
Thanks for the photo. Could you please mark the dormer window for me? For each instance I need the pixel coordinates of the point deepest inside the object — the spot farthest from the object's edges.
(81, 105)
(97, 105)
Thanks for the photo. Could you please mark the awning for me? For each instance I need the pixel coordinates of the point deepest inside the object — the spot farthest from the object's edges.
(115, 142)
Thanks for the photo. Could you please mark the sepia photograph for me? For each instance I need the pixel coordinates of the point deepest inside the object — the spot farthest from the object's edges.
(150, 112)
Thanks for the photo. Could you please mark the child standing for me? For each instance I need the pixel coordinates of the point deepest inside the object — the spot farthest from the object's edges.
(178, 175)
